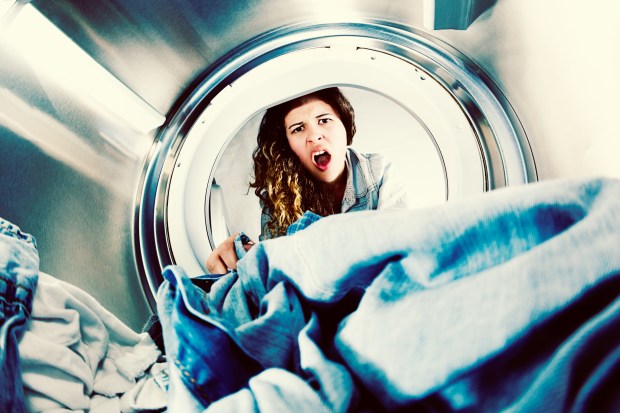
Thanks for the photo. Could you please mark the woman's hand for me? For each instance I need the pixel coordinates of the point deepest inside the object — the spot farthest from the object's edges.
(224, 256)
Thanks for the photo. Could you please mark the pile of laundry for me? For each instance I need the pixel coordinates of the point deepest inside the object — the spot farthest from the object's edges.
(509, 301)
(61, 350)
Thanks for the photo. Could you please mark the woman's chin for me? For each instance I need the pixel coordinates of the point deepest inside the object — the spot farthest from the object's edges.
(323, 176)
(328, 174)
(328, 177)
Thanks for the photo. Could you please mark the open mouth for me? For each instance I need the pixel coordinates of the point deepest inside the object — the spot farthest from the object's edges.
(321, 159)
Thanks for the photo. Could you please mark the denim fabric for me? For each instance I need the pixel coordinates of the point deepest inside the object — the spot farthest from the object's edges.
(370, 185)
(19, 269)
(307, 219)
(585, 368)
(504, 302)
(240, 240)
(205, 357)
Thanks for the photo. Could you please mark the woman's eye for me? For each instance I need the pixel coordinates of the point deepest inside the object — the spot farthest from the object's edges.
(297, 129)
(324, 120)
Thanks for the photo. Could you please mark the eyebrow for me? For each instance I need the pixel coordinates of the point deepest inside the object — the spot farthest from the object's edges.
(316, 117)
(294, 124)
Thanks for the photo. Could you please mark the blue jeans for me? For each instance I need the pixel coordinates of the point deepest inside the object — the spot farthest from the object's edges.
(19, 269)
(504, 302)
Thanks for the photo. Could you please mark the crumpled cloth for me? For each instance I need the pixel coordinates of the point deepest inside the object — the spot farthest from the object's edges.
(78, 356)
(509, 301)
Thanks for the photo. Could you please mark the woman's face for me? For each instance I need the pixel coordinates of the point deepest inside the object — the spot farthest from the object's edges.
(319, 139)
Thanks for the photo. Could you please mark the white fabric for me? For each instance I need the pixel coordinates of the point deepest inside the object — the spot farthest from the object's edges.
(149, 393)
(76, 355)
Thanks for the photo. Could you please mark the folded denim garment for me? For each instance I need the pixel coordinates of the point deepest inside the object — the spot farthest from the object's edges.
(508, 301)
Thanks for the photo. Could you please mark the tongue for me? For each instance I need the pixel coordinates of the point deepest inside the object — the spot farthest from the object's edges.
(322, 159)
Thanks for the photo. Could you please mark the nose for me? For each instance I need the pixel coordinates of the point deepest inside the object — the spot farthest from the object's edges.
(314, 134)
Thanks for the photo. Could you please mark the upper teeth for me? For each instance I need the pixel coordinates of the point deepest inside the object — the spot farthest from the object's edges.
(317, 153)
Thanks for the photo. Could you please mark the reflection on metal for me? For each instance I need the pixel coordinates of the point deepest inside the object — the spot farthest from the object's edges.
(8, 9)
(503, 150)
(453, 14)
(54, 56)
(158, 48)
(69, 169)
(59, 142)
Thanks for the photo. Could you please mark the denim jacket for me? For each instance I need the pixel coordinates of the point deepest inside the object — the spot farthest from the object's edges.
(370, 185)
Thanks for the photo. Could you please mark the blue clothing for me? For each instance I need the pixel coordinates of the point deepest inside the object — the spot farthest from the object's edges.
(509, 301)
(199, 345)
(19, 272)
(307, 219)
(370, 186)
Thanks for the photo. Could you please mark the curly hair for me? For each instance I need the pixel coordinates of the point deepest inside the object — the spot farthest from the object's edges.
(285, 188)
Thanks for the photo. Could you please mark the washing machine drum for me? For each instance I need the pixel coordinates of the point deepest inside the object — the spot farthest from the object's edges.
(445, 126)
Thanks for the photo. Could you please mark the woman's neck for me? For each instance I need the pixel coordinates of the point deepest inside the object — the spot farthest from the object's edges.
(336, 189)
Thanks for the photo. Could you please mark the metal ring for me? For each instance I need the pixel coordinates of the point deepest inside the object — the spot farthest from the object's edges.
(504, 148)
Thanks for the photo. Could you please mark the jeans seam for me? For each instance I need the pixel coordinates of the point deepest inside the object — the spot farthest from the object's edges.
(184, 370)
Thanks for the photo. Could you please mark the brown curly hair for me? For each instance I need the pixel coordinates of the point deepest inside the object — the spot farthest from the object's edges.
(285, 188)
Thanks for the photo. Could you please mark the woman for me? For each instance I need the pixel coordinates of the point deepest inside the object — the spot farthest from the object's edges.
(303, 162)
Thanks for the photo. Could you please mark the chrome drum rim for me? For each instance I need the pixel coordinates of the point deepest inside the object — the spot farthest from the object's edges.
(504, 150)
